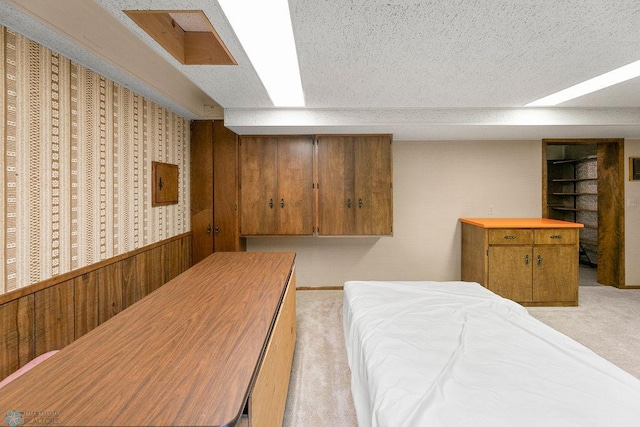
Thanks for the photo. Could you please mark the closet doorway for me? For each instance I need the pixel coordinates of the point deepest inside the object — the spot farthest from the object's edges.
(583, 181)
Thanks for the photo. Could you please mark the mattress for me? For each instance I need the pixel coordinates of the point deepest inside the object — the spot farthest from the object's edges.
(456, 354)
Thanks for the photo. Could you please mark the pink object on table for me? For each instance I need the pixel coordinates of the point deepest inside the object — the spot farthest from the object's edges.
(27, 367)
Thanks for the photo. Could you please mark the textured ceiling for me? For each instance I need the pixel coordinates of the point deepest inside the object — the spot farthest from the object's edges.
(449, 69)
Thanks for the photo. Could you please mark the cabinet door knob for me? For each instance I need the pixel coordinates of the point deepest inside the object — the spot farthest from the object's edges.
(282, 203)
(208, 228)
(539, 260)
(360, 203)
(271, 203)
(526, 260)
(348, 203)
(217, 229)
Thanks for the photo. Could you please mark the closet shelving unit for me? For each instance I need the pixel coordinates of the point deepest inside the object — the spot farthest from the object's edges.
(568, 198)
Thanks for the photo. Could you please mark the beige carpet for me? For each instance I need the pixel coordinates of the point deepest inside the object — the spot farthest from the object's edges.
(320, 386)
(607, 321)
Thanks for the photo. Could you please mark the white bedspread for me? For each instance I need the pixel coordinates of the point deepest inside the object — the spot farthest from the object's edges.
(455, 354)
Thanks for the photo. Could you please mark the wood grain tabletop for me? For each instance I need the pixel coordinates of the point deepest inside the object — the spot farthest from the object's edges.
(184, 355)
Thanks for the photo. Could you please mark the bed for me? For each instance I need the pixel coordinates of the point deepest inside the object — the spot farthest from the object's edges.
(456, 354)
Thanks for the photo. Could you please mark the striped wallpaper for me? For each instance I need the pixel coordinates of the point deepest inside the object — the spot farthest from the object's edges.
(75, 155)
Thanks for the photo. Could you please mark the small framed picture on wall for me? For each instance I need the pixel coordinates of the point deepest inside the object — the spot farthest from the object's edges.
(634, 168)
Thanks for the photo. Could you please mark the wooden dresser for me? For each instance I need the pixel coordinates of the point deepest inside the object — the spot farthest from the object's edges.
(213, 343)
(531, 261)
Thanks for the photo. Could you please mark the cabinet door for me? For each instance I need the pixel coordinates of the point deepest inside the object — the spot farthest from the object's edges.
(373, 194)
(555, 273)
(336, 192)
(258, 185)
(354, 185)
(201, 167)
(510, 272)
(295, 185)
(226, 233)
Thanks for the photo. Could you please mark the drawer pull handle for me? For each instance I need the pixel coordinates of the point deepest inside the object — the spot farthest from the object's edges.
(510, 237)
(556, 236)
(526, 260)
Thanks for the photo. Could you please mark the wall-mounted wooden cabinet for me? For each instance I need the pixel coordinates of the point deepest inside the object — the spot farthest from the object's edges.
(354, 185)
(342, 187)
(276, 185)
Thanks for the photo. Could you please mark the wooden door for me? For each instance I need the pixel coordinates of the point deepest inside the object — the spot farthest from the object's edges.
(336, 192)
(611, 213)
(258, 186)
(226, 229)
(295, 185)
(373, 193)
(201, 155)
(555, 273)
(510, 272)
(611, 243)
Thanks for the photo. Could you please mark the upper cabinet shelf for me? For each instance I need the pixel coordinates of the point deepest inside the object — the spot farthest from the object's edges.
(582, 159)
(573, 179)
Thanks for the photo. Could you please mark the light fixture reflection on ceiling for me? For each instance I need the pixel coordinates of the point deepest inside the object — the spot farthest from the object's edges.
(265, 32)
(602, 81)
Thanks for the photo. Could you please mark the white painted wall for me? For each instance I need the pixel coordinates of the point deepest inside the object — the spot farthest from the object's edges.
(632, 217)
(435, 183)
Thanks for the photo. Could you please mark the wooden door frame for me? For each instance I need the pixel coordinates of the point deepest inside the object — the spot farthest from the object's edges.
(612, 253)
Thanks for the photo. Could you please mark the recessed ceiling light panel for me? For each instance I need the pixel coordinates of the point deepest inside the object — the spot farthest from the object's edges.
(602, 81)
(266, 34)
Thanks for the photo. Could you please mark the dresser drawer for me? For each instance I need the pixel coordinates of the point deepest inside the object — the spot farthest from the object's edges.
(510, 236)
(555, 236)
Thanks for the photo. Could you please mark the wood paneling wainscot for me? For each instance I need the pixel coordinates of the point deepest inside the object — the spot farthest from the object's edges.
(55, 323)
(51, 314)
(17, 334)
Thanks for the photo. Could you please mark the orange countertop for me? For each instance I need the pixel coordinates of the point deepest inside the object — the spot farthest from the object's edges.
(520, 223)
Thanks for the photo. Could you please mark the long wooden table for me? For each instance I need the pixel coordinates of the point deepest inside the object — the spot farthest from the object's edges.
(213, 341)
